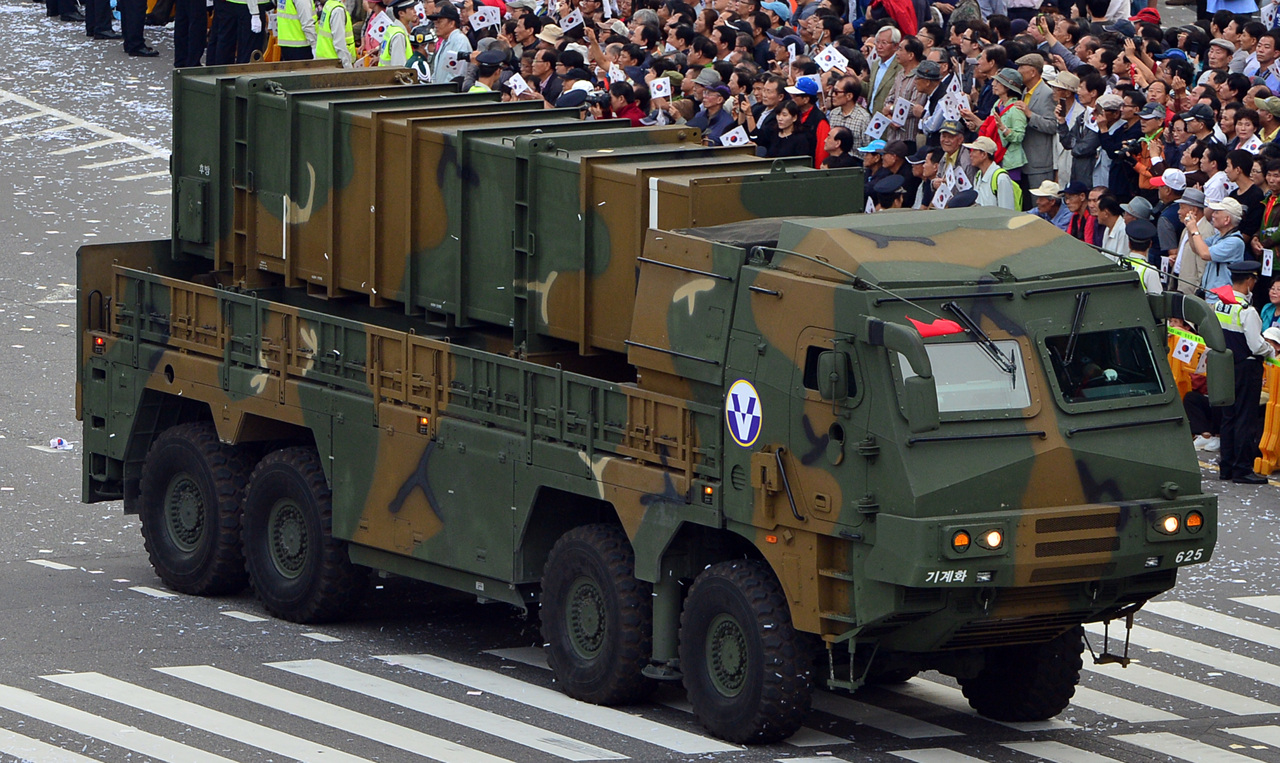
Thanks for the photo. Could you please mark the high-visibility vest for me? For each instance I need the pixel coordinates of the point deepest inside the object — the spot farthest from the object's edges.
(289, 26)
(324, 35)
(392, 31)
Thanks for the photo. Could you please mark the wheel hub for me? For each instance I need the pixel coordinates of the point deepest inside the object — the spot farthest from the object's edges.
(727, 658)
(287, 535)
(184, 512)
(585, 617)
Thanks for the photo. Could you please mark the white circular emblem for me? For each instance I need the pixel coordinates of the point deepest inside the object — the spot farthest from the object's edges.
(742, 413)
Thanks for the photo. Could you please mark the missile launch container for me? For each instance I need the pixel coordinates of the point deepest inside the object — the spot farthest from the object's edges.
(673, 396)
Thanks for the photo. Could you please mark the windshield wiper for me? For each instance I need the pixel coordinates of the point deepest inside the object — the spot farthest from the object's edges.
(1082, 299)
(1007, 364)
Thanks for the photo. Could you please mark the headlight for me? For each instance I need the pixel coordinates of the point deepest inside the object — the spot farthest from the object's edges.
(1169, 524)
(992, 539)
(960, 541)
(1195, 521)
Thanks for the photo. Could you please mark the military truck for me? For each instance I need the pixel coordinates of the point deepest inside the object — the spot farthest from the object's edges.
(714, 426)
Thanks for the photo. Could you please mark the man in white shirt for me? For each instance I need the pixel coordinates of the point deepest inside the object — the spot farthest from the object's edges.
(994, 186)
(1111, 216)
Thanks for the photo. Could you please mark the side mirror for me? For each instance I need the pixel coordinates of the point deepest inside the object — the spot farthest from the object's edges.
(833, 375)
(921, 404)
(1220, 376)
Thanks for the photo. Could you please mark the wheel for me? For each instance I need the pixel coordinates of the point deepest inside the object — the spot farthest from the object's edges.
(747, 672)
(1031, 682)
(192, 487)
(299, 571)
(597, 618)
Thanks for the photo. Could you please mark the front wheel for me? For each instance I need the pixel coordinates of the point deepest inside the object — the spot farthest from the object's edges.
(1027, 682)
(298, 569)
(748, 675)
(597, 618)
(191, 489)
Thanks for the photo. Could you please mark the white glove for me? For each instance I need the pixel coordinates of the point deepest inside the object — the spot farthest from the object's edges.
(255, 24)
(208, 3)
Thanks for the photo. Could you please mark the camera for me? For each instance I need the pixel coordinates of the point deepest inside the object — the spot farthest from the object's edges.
(600, 98)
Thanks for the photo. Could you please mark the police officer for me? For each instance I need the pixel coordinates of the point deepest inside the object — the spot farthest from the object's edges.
(489, 70)
(132, 20)
(421, 38)
(236, 33)
(395, 44)
(1241, 422)
(334, 35)
(1141, 233)
(296, 29)
(888, 192)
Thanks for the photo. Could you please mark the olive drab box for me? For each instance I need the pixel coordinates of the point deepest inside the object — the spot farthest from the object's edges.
(713, 423)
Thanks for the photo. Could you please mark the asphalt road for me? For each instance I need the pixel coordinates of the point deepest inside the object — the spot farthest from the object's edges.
(98, 662)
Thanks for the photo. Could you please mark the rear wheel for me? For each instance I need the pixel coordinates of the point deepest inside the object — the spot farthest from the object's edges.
(597, 618)
(1028, 682)
(746, 670)
(299, 571)
(192, 486)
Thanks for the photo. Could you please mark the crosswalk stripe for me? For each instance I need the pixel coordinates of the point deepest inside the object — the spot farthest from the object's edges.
(1264, 734)
(554, 702)
(1119, 707)
(1269, 603)
(90, 725)
(953, 699)
(1057, 752)
(937, 755)
(879, 718)
(447, 709)
(1196, 652)
(1183, 688)
(816, 759)
(26, 748)
(197, 716)
(1183, 748)
(316, 711)
(536, 657)
(87, 146)
(1216, 621)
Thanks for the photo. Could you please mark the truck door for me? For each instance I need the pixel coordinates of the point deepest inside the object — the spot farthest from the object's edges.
(826, 460)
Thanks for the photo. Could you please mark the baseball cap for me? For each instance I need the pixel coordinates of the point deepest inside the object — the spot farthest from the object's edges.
(951, 126)
(874, 147)
(1228, 205)
(1075, 187)
(446, 10)
(804, 86)
(1124, 27)
(1047, 188)
(963, 199)
(782, 10)
(898, 148)
(1270, 105)
(1174, 180)
(1152, 110)
(919, 156)
(1200, 111)
(983, 144)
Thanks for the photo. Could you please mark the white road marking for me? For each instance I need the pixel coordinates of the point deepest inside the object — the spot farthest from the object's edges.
(248, 618)
(552, 701)
(22, 118)
(1057, 752)
(937, 755)
(1269, 603)
(537, 657)
(323, 638)
(447, 709)
(153, 592)
(200, 717)
(953, 699)
(334, 716)
(78, 122)
(26, 748)
(1119, 707)
(51, 565)
(1219, 659)
(1182, 748)
(121, 160)
(1176, 686)
(1216, 621)
(87, 146)
(87, 724)
(143, 176)
(165, 192)
(879, 718)
(1265, 734)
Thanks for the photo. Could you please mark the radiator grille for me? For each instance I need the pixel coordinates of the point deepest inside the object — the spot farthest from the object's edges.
(1074, 572)
(1078, 546)
(1080, 522)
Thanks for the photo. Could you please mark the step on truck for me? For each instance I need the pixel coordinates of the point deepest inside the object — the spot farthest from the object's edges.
(684, 403)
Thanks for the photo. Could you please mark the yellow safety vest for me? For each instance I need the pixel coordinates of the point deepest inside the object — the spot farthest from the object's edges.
(1229, 315)
(324, 35)
(395, 29)
(289, 26)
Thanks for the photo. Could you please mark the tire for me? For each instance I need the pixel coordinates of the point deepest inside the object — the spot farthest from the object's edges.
(192, 487)
(1032, 682)
(597, 618)
(299, 571)
(747, 671)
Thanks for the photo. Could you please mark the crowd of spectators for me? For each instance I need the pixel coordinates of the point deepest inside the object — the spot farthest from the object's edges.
(1156, 143)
